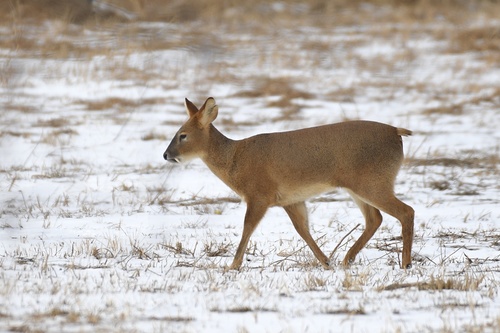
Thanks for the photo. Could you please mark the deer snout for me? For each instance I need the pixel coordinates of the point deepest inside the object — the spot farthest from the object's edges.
(169, 158)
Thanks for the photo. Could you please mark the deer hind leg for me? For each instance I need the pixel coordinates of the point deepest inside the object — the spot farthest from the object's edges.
(255, 212)
(373, 220)
(298, 214)
(384, 200)
(406, 215)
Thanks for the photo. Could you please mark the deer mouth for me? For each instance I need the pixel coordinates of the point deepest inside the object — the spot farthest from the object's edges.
(169, 158)
(173, 160)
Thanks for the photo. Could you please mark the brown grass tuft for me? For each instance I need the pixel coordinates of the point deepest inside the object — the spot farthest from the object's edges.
(346, 311)
(15, 134)
(118, 103)
(267, 86)
(479, 162)
(239, 14)
(476, 39)
(69, 11)
(458, 109)
(469, 282)
(217, 250)
(55, 122)
(154, 136)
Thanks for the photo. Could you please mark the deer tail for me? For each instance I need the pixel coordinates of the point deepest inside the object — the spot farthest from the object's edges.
(404, 132)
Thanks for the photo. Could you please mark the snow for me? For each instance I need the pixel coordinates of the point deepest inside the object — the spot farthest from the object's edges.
(98, 233)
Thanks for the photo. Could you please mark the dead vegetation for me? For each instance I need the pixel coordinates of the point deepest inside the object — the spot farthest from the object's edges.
(475, 39)
(281, 88)
(339, 11)
(268, 86)
(71, 11)
(217, 250)
(459, 176)
(54, 122)
(492, 100)
(346, 311)
(239, 15)
(490, 162)
(119, 103)
(469, 283)
(32, 36)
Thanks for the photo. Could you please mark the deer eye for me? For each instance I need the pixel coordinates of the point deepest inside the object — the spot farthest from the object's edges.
(182, 137)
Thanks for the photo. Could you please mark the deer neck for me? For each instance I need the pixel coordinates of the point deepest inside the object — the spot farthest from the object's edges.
(220, 153)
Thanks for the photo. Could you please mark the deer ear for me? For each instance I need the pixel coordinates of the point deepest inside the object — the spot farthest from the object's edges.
(191, 109)
(208, 112)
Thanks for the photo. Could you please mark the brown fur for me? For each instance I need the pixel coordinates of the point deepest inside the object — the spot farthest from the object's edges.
(285, 169)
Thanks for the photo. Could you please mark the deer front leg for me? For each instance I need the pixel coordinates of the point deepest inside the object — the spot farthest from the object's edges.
(298, 214)
(253, 215)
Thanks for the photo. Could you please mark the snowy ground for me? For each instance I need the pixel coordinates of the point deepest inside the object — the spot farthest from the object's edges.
(99, 234)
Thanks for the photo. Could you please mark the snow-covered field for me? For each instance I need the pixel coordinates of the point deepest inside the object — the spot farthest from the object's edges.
(99, 234)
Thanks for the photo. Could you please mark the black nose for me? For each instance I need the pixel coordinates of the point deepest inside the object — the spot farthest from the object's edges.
(165, 156)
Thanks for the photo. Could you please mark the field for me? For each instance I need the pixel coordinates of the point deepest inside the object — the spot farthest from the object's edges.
(99, 234)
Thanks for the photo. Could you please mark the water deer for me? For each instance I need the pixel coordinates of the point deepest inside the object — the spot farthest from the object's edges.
(286, 168)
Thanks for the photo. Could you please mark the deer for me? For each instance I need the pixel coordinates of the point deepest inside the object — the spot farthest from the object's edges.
(284, 169)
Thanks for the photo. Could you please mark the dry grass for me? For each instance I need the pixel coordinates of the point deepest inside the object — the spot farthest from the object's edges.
(15, 134)
(456, 109)
(343, 94)
(237, 14)
(47, 47)
(469, 282)
(454, 175)
(57, 137)
(54, 122)
(154, 136)
(475, 39)
(203, 21)
(268, 86)
(178, 249)
(345, 311)
(118, 103)
(175, 319)
(282, 88)
(71, 11)
(217, 249)
(486, 162)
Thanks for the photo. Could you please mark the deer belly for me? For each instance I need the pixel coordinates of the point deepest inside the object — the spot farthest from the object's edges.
(288, 195)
